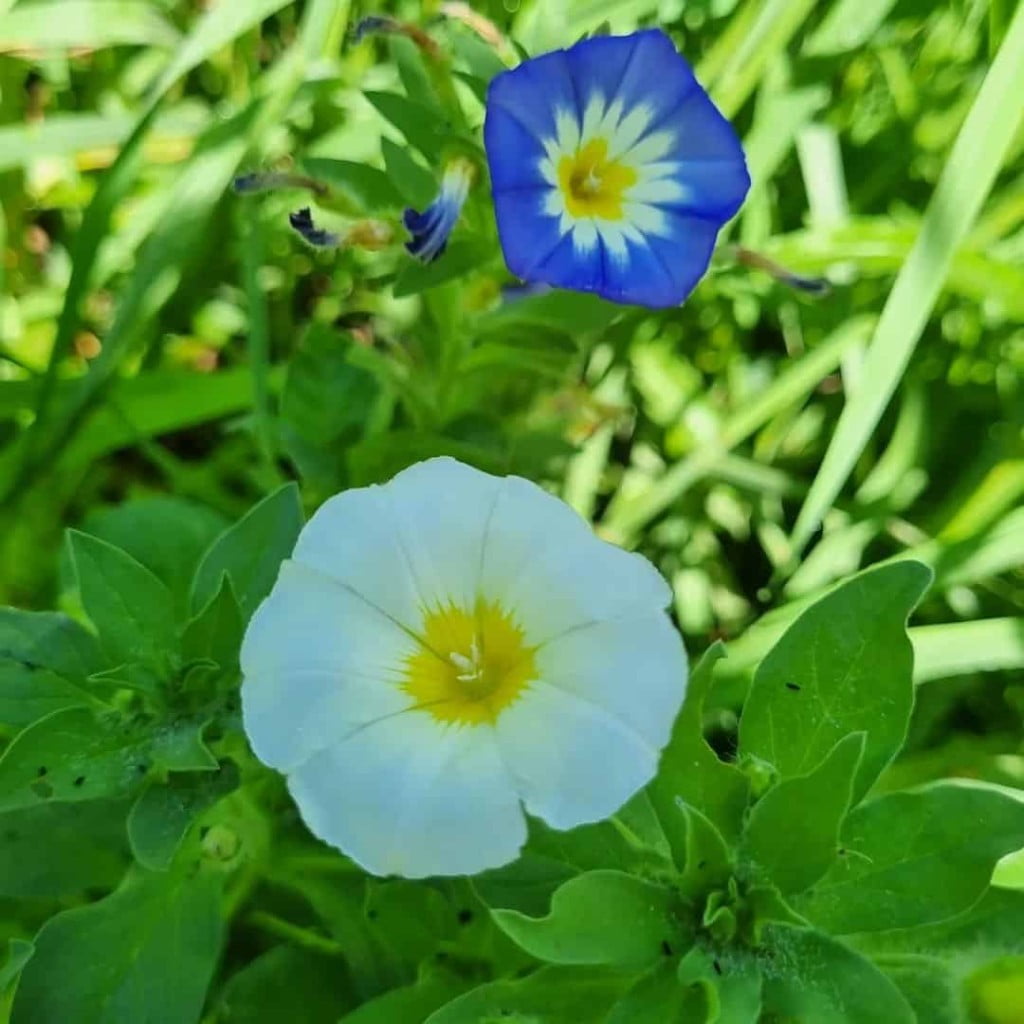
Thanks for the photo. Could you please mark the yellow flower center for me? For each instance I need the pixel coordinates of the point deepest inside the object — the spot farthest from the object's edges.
(593, 185)
(470, 665)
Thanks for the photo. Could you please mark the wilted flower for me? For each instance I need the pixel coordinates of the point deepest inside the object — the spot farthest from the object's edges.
(431, 228)
(612, 170)
(448, 649)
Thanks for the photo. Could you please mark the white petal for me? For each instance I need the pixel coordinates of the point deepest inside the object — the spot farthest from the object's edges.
(584, 235)
(410, 797)
(629, 130)
(593, 115)
(546, 566)
(443, 509)
(352, 537)
(650, 148)
(647, 219)
(659, 190)
(317, 661)
(635, 669)
(572, 761)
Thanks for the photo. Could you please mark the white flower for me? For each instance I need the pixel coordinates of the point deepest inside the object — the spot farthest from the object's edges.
(447, 649)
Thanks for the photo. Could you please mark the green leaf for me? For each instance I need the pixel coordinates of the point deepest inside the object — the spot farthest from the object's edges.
(251, 551)
(410, 1004)
(164, 813)
(552, 995)
(95, 24)
(843, 666)
(133, 612)
(584, 924)
(691, 771)
(730, 981)
(929, 984)
(18, 954)
(327, 404)
(215, 634)
(145, 954)
(414, 183)
(70, 756)
(45, 659)
(962, 648)
(917, 857)
(264, 990)
(417, 122)
(526, 885)
(75, 755)
(792, 834)
(58, 850)
(706, 862)
(459, 258)
(810, 977)
(367, 187)
(166, 534)
(655, 998)
(967, 178)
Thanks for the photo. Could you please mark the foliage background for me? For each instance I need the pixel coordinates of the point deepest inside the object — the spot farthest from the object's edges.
(170, 352)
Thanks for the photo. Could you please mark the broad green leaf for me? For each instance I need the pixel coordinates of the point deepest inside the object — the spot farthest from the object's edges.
(328, 403)
(96, 24)
(600, 845)
(916, 857)
(560, 310)
(981, 146)
(996, 991)
(584, 924)
(419, 124)
(691, 771)
(251, 551)
(133, 612)
(459, 258)
(58, 850)
(928, 984)
(843, 666)
(552, 995)
(163, 814)
(215, 633)
(75, 755)
(45, 660)
(411, 1004)
(412, 181)
(18, 954)
(366, 187)
(526, 885)
(70, 756)
(656, 998)
(792, 834)
(811, 977)
(166, 534)
(144, 954)
(730, 981)
(264, 990)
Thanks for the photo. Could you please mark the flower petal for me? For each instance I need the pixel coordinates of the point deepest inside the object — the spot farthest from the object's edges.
(529, 235)
(546, 566)
(410, 797)
(664, 268)
(634, 669)
(536, 93)
(318, 662)
(573, 762)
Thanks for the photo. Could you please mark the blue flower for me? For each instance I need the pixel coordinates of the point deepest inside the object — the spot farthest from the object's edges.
(612, 170)
(431, 228)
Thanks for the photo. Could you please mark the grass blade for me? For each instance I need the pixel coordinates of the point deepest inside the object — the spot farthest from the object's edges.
(977, 155)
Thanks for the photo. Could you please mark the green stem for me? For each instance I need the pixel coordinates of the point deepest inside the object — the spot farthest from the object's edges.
(302, 937)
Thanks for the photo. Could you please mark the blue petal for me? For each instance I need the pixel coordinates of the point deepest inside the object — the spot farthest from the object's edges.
(513, 153)
(663, 271)
(528, 235)
(568, 267)
(535, 92)
(716, 188)
(643, 69)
